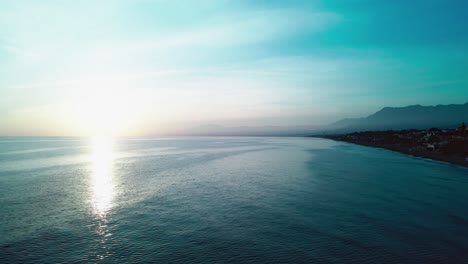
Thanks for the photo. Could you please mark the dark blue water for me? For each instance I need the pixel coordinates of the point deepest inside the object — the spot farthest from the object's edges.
(217, 200)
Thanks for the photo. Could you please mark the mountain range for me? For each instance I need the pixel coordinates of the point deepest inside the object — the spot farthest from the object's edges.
(388, 118)
(218, 130)
(409, 117)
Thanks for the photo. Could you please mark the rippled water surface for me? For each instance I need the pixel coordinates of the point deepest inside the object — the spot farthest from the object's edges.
(209, 200)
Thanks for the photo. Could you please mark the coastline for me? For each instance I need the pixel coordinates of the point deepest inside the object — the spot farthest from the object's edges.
(449, 159)
(412, 142)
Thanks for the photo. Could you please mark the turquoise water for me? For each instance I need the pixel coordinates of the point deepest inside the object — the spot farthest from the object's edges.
(214, 200)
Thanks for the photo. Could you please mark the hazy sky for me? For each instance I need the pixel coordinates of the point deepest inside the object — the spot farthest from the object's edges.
(136, 67)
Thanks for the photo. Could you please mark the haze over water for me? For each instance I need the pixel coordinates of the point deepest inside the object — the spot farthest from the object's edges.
(205, 200)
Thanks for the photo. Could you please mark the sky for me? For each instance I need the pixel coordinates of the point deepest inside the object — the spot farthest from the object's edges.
(143, 68)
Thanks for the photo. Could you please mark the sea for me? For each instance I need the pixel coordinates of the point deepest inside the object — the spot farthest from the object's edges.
(226, 200)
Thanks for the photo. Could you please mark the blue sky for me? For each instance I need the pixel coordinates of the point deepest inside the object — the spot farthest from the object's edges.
(151, 67)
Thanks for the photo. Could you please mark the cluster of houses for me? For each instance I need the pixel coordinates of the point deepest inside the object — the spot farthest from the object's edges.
(438, 140)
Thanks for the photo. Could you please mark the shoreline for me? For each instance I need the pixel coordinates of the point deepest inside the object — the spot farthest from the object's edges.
(440, 145)
(426, 155)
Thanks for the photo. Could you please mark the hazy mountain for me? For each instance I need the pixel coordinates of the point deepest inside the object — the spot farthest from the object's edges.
(388, 118)
(414, 116)
(217, 130)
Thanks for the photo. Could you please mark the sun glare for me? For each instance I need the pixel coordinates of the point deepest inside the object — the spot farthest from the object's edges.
(102, 159)
(100, 115)
(104, 106)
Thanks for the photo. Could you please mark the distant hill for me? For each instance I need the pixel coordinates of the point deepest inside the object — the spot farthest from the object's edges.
(398, 118)
(217, 130)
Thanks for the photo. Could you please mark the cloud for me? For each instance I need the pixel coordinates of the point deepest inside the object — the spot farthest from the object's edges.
(228, 31)
(253, 27)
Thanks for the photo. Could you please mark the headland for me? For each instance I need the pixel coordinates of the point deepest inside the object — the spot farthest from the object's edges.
(449, 145)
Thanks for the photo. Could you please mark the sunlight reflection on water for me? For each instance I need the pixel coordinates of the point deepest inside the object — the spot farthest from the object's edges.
(102, 189)
(102, 158)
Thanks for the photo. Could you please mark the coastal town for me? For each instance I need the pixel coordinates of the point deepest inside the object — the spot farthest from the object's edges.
(449, 145)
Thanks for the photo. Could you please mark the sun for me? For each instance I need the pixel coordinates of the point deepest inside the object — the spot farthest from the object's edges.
(103, 108)
(100, 114)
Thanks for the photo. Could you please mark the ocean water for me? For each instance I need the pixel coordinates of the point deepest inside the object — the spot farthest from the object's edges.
(226, 200)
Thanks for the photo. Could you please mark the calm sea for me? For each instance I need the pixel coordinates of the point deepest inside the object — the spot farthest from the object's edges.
(217, 200)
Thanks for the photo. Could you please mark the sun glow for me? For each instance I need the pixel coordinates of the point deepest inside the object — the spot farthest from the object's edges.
(101, 114)
(102, 173)
(103, 105)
